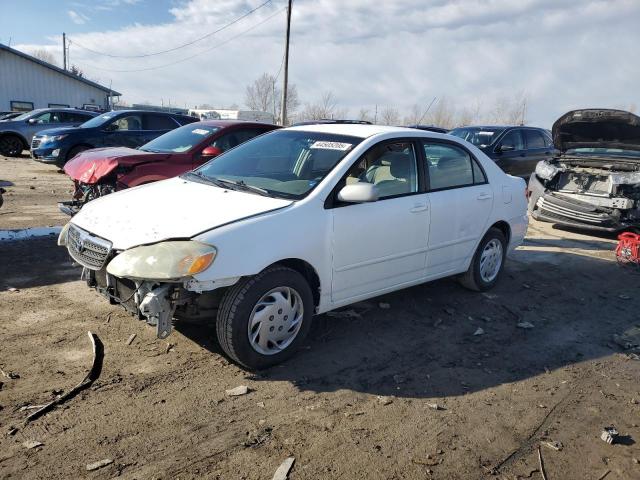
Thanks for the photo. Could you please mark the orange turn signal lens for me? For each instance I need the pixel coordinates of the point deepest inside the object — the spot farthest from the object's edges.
(201, 263)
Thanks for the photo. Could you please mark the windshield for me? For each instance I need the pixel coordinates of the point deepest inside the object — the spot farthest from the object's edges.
(284, 163)
(604, 152)
(479, 136)
(180, 140)
(99, 120)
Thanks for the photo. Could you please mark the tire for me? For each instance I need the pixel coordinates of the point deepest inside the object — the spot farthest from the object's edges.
(11, 146)
(473, 279)
(238, 305)
(75, 151)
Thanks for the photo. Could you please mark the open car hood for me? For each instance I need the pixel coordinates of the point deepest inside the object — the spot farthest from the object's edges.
(92, 165)
(169, 209)
(597, 128)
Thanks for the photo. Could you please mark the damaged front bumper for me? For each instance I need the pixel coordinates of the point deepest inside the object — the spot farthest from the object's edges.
(155, 303)
(553, 207)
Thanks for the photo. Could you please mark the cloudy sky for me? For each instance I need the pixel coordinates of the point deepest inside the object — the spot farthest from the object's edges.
(561, 54)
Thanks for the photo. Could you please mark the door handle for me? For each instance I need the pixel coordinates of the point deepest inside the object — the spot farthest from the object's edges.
(484, 196)
(419, 207)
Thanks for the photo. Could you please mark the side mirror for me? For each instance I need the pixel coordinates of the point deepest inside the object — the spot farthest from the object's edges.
(32, 121)
(360, 192)
(506, 148)
(210, 152)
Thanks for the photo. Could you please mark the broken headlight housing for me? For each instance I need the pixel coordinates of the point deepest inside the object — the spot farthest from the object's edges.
(546, 171)
(62, 238)
(172, 260)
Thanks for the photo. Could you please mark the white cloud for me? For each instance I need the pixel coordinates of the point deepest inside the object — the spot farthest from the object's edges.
(562, 55)
(77, 18)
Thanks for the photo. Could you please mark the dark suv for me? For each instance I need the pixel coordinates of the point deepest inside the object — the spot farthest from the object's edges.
(123, 128)
(516, 149)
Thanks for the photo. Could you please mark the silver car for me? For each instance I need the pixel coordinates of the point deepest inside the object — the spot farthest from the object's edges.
(16, 134)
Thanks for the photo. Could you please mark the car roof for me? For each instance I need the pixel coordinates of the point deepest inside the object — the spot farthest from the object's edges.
(501, 126)
(232, 123)
(354, 130)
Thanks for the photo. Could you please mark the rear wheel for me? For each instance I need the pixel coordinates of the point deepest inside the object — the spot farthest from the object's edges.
(11, 146)
(487, 262)
(263, 319)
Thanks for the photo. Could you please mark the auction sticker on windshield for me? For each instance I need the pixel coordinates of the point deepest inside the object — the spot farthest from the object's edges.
(200, 131)
(332, 145)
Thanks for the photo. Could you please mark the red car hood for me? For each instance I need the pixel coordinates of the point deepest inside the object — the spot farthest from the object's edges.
(92, 165)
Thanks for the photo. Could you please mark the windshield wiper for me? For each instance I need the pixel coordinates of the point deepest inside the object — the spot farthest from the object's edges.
(200, 177)
(242, 185)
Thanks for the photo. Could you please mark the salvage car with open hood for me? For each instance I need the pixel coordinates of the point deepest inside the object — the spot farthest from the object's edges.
(594, 181)
(297, 222)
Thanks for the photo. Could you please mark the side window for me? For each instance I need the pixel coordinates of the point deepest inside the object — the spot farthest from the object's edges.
(49, 117)
(535, 139)
(391, 167)
(158, 122)
(513, 139)
(235, 138)
(129, 122)
(450, 166)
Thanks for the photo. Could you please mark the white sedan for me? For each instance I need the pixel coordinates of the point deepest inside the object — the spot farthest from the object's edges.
(298, 222)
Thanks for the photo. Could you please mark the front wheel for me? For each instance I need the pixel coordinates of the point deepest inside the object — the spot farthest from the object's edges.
(487, 262)
(11, 146)
(263, 319)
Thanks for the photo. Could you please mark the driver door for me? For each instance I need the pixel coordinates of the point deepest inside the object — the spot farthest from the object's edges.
(382, 244)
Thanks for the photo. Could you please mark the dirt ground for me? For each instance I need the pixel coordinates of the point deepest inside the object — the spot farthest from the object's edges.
(356, 402)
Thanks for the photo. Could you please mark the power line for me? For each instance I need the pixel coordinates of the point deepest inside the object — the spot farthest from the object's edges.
(194, 55)
(224, 27)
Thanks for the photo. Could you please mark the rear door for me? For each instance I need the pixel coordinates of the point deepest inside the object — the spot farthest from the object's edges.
(461, 201)
(73, 119)
(538, 148)
(43, 121)
(511, 153)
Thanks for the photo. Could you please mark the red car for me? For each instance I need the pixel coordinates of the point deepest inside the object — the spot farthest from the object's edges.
(101, 171)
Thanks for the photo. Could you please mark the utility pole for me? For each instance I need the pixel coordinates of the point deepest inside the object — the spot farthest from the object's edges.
(64, 50)
(283, 107)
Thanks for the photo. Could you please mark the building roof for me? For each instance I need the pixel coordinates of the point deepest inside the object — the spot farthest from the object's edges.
(59, 70)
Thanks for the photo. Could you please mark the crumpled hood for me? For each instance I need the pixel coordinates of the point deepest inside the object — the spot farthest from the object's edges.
(92, 165)
(174, 208)
(597, 128)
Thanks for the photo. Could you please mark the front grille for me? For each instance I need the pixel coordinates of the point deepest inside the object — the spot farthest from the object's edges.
(87, 249)
(35, 143)
(561, 211)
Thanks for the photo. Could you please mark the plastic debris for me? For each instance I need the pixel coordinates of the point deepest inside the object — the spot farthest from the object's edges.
(435, 406)
(132, 337)
(96, 465)
(94, 373)
(384, 400)
(282, 473)
(609, 434)
(32, 444)
(557, 446)
(479, 331)
(236, 392)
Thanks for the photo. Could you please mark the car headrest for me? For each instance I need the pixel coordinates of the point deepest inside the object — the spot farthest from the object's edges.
(399, 164)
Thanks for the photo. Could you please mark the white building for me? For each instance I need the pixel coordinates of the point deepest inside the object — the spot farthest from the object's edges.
(27, 83)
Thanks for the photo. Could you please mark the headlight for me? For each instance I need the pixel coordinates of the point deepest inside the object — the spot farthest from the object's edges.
(163, 261)
(545, 170)
(62, 238)
(54, 138)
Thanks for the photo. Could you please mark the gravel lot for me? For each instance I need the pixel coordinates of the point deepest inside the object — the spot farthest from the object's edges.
(356, 402)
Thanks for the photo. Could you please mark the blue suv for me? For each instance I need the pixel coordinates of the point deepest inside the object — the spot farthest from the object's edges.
(123, 128)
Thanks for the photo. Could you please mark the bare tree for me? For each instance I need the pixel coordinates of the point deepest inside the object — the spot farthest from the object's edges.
(414, 116)
(44, 55)
(264, 95)
(389, 116)
(364, 115)
(326, 107)
(442, 114)
(76, 71)
(510, 110)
